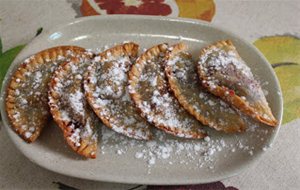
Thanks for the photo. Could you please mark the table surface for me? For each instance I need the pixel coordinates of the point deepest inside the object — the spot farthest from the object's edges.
(273, 26)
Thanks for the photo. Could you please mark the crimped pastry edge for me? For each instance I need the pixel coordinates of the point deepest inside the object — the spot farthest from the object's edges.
(133, 75)
(87, 150)
(234, 100)
(178, 48)
(30, 63)
(129, 49)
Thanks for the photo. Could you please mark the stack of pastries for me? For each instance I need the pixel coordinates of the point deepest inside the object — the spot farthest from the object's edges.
(130, 93)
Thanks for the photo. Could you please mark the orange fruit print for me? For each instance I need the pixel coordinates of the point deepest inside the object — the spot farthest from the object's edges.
(199, 9)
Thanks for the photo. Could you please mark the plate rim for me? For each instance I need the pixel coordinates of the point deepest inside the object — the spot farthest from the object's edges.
(212, 26)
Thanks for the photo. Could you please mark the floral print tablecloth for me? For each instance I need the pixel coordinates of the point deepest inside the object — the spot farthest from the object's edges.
(272, 26)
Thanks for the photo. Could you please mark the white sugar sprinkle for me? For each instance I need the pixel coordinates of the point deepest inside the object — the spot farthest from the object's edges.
(27, 134)
(76, 101)
(139, 155)
(207, 138)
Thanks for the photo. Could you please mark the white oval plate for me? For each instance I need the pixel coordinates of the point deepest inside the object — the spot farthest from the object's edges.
(199, 161)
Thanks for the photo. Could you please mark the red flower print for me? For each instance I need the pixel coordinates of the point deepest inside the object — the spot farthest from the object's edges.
(144, 7)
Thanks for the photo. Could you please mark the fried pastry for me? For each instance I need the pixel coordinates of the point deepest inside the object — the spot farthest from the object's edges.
(210, 110)
(27, 93)
(225, 74)
(149, 90)
(70, 109)
(107, 93)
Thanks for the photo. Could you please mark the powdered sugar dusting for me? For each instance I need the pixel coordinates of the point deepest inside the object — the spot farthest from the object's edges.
(224, 67)
(32, 78)
(76, 101)
(220, 65)
(216, 113)
(37, 79)
(113, 80)
(110, 97)
(165, 151)
(159, 106)
(78, 118)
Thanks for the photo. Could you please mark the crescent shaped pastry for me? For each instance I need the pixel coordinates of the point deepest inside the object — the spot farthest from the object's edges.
(27, 93)
(225, 74)
(210, 110)
(107, 93)
(70, 109)
(149, 90)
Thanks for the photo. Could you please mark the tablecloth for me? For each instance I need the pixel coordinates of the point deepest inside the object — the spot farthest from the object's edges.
(272, 26)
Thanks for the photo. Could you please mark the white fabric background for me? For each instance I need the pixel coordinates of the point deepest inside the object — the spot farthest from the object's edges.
(278, 169)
